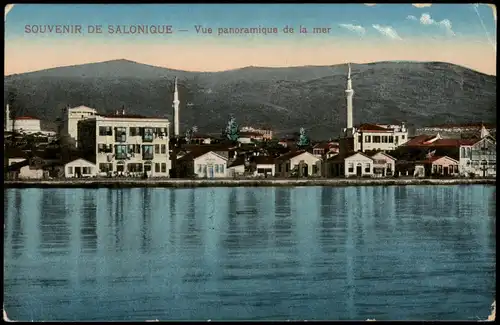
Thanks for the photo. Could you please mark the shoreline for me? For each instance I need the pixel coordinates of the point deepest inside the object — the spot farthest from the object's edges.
(191, 183)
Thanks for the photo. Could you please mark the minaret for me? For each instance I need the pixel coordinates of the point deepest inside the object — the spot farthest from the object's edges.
(349, 92)
(7, 118)
(176, 109)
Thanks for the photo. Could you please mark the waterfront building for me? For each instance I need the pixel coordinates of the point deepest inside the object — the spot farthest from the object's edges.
(202, 164)
(349, 165)
(383, 164)
(478, 157)
(441, 166)
(258, 166)
(70, 119)
(301, 163)
(126, 144)
(80, 168)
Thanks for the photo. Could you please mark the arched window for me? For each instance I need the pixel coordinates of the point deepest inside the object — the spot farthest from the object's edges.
(462, 152)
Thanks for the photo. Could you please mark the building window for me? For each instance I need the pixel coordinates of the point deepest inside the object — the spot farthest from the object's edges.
(135, 167)
(360, 139)
(147, 135)
(157, 148)
(198, 168)
(204, 169)
(147, 165)
(163, 167)
(121, 151)
(134, 131)
(106, 148)
(157, 167)
(440, 169)
(279, 168)
(376, 139)
(368, 138)
(402, 137)
(121, 134)
(221, 169)
(384, 139)
(163, 148)
(350, 167)
(287, 167)
(120, 167)
(105, 167)
(216, 168)
(391, 139)
(315, 169)
(87, 170)
(105, 130)
(367, 168)
(70, 170)
(147, 152)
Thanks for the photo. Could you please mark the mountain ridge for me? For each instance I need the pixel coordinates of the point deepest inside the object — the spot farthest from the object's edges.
(288, 98)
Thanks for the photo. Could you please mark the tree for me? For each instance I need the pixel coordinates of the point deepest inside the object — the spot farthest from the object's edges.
(190, 132)
(303, 139)
(232, 130)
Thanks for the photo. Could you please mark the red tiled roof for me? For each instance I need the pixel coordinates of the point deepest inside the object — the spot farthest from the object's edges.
(26, 118)
(373, 127)
(420, 141)
(129, 116)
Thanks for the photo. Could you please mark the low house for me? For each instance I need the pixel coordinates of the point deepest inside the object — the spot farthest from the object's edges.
(80, 168)
(441, 166)
(264, 166)
(204, 164)
(298, 163)
(349, 165)
(383, 164)
(237, 167)
(255, 166)
(27, 169)
(359, 165)
(14, 155)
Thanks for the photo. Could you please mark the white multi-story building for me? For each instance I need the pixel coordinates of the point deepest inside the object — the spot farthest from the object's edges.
(71, 118)
(126, 144)
(369, 137)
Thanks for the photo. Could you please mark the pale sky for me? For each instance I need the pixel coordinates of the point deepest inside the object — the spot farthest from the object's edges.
(463, 34)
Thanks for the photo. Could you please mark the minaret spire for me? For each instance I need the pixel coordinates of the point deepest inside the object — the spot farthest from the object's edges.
(349, 92)
(7, 118)
(176, 109)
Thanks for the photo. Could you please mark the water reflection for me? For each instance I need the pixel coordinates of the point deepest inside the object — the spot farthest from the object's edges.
(414, 252)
